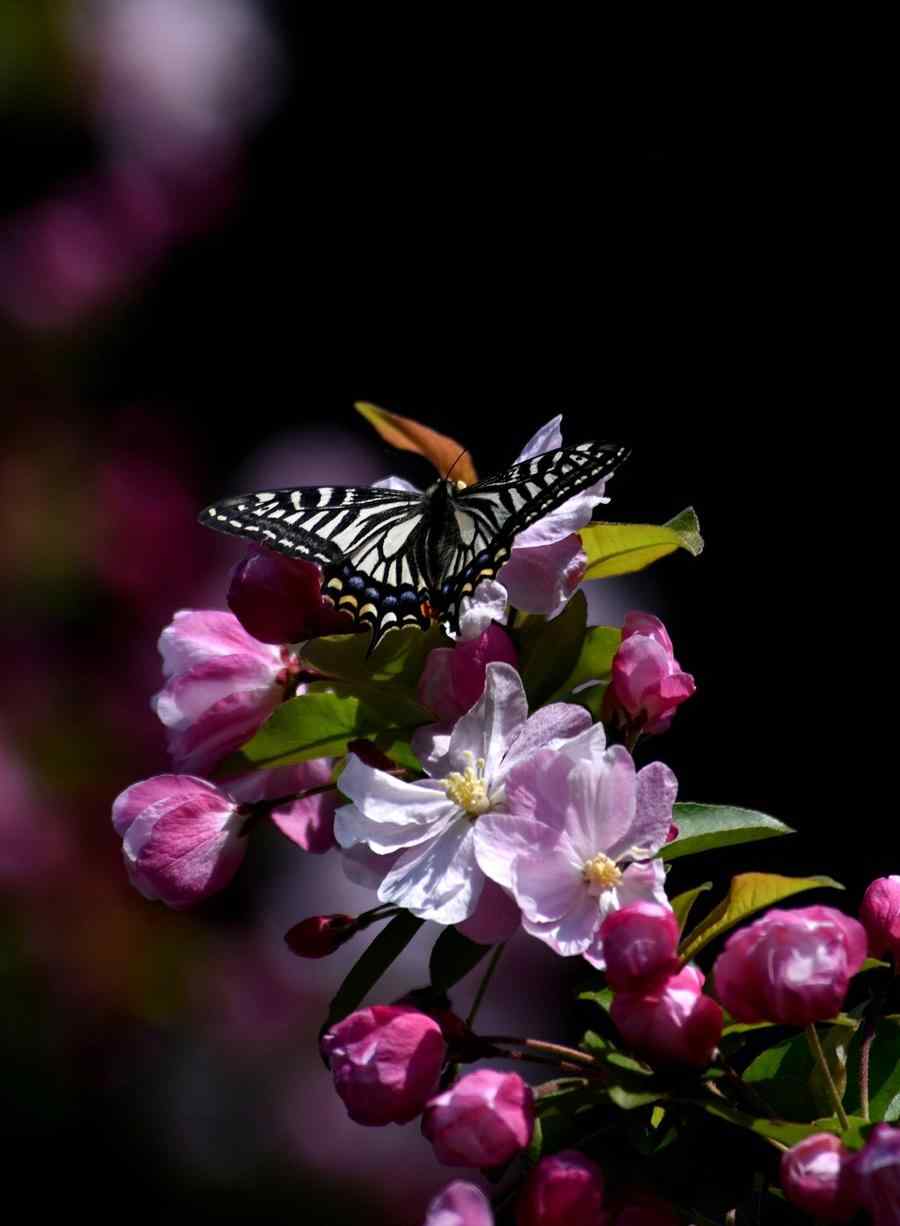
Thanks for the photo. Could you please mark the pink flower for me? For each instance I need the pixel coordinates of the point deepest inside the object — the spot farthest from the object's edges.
(565, 1190)
(640, 945)
(221, 686)
(452, 680)
(577, 839)
(672, 1022)
(876, 1175)
(460, 1204)
(484, 1119)
(791, 967)
(880, 916)
(816, 1177)
(181, 838)
(385, 1060)
(307, 821)
(279, 600)
(320, 935)
(647, 683)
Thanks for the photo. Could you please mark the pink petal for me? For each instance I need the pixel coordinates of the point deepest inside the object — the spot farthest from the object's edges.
(496, 917)
(489, 728)
(194, 635)
(500, 837)
(602, 809)
(548, 438)
(549, 885)
(542, 578)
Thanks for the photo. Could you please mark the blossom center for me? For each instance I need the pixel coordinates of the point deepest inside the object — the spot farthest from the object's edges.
(600, 872)
(467, 788)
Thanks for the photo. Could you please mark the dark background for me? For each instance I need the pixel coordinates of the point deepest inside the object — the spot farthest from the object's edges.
(478, 228)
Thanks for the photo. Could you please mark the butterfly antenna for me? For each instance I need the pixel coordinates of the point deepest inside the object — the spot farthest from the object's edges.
(465, 451)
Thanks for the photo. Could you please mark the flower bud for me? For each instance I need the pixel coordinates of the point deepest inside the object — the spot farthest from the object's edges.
(279, 599)
(672, 1022)
(880, 916)
(453, 678)
(181, 837)
(647, 685)
(565, 1190)
(791, 967)
(875, 1173)
(320, 935)
(460, 1204)
(482, 1120)
(386, 1061)
(640, 945)
(816, 1177)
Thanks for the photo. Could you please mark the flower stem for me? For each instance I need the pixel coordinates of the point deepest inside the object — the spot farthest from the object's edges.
(816, 1048)
(483, 986)
(569, 1054)
(864, 1053)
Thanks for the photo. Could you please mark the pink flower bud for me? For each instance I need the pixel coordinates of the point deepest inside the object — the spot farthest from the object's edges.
(460, 1204)
(221, 686)
(565, 1190)
(875, 1172)
(386, 1061)
(453, 678)
(816, 1177)
(181, 838)
(640, 945)
(791, 967)
(672, 1022)
(482, 1120)
(647, 683)
(880, 916)
(279, 599)
(320, 935)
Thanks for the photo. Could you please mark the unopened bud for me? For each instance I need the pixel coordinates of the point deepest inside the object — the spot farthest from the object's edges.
(320, 935)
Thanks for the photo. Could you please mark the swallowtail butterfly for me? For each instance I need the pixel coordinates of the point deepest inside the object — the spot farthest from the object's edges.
(392, 558)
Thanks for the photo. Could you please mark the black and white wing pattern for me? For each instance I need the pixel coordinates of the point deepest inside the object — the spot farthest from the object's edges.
(368, 543)
(490, 514)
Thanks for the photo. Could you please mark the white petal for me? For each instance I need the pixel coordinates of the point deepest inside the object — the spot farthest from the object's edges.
(489, 728)
(486, 604)
(440, 881)
(548, 438)
(396, 483)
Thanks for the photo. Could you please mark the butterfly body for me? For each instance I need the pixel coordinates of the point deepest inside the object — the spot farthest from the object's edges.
(394, 558)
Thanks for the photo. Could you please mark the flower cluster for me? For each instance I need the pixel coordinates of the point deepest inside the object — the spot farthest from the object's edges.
(490, 784)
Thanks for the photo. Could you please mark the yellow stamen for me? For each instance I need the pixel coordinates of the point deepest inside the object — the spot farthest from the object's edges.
(600, 872)
(467, 788)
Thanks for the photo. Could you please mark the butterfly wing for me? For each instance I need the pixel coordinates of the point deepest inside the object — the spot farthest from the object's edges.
(365, 540)
(492, 513)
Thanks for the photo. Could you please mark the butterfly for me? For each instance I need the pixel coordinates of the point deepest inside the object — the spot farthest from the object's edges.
(392, 558)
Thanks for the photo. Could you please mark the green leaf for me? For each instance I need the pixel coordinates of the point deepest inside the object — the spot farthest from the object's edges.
(835, 1049)
(594, 662)
(371, 965)
(322, 721)
(549, 650)
(619, 549)
(872, 964)
(884, 1073)
(705, 827)
(787, 1132)
(453, 956)
(603, 998)
(747, 894)
(684, 902)
(398, 658)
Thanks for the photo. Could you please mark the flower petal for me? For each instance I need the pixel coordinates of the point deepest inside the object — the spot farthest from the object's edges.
(548, 438)
(489, 729)
(656, 789)
(496, 917)
(440, 881)
(500, 837)
(602, 809)
(548, 885)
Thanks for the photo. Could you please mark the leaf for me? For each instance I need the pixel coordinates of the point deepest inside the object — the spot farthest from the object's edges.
(603, 998)
(549, 650)
(835, 1049)
(747, 894)
(453, 956)
(372, 964)
(884, 1072)
(684, 902)
(322, 721)
(594, 662)
(620, 549)
(410, 435)
(705, 827)
(787, 1132)
(398, 658)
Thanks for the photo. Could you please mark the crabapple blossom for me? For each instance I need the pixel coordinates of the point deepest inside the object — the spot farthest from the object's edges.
(434, 823)
(647, 684)
(564, 1190)
(880, 916)
(385, 1060)
(460, 1204)
(452, 680)
(307, 821)
(791, 967)
(671, 1022)
(816, 1177)
(875, 1172)
(484, 1119)
(221, 685)
(640, 944)
(587, 827)
(279, 600)
(181, 837)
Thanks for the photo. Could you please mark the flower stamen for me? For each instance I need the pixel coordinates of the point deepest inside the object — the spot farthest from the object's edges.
(467, 788)
(601, 873)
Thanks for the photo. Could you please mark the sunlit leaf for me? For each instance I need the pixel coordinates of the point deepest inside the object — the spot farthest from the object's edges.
(398, 658)
(683, 903)
(787, 1132)
(747, 894)
(594, 663)
(706, 827)
(372, 964)
(835, 1049)
(619, 549)
(410, 435)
